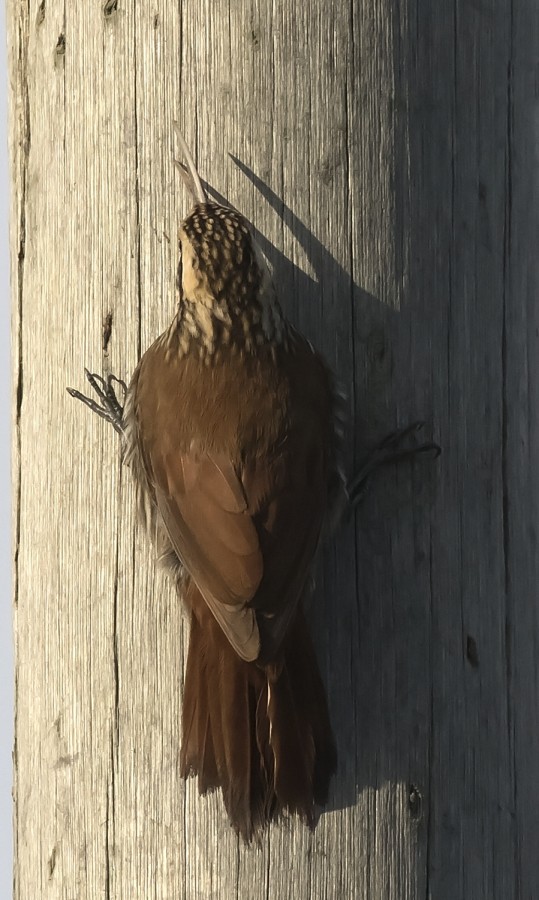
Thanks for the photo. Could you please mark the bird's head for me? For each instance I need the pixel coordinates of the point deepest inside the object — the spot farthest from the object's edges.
(218, 256)
(222, 270)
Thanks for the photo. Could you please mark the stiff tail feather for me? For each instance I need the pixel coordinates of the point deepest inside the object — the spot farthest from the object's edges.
(261, 734)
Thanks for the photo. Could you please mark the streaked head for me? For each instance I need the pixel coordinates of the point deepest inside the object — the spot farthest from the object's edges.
(218, 256)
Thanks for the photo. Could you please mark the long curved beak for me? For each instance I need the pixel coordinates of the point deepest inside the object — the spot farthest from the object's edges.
(189, 172)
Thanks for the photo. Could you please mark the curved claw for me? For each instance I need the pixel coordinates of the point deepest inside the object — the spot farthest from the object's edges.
(388, 451)
(425, 448)
(110, 407)
(396, 436)
(97, 382)
(119, 381)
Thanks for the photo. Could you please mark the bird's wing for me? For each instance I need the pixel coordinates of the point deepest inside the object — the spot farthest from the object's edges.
(288, 502)
(247, 538)
(204, 510)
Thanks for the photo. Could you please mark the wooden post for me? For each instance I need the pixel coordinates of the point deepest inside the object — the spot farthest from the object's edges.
(388, 155)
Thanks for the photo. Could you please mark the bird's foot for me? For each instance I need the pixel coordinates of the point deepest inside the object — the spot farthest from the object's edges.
(108, 406)
(390, 450)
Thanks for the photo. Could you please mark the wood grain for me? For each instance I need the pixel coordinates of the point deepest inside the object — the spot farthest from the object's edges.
(386, 152)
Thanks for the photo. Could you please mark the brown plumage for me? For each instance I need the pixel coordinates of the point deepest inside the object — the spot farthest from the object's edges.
(229, 428)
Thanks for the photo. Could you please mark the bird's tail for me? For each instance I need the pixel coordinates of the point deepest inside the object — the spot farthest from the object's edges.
(261, 734)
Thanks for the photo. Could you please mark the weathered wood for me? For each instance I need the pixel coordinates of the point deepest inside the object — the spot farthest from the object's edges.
(387, 153)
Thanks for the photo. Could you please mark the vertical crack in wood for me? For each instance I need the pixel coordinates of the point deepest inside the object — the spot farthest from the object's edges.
(507, 244)
(267, 892)
(40, 15)
(430, 750)
(238, 869)
(137, 192)
(354, 375)
(22, 130)
(24, 143)
(65, 92)
(115, 729)
(107, 850)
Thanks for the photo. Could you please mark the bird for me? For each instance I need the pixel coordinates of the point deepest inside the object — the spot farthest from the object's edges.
(232, 428)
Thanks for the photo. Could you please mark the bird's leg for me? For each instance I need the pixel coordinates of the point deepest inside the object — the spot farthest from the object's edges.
(390, 450)
(108, 406)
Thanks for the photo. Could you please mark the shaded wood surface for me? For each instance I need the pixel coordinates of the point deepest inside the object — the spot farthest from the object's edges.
(387, 152)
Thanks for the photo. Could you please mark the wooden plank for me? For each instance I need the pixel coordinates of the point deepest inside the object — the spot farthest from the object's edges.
(521, 441)
(386, 154)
